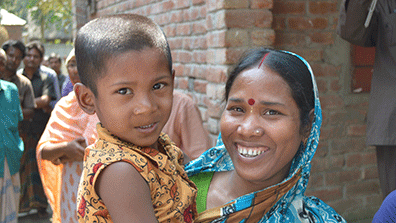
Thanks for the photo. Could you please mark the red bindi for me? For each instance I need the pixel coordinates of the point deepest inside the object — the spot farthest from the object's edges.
(251, 101)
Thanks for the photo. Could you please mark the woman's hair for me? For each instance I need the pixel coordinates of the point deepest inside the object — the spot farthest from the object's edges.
(291, 68)
(106, 37)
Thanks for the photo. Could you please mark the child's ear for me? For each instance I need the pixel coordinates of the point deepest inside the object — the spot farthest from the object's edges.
(85, 98)
(173, 74)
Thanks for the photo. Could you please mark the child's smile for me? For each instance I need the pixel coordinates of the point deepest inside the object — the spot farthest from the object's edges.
(134, 97)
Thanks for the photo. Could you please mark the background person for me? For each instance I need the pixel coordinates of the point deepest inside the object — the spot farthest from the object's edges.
(381, 121)
(15, 51)
(270, 130)
(55, 63)
(60, 151)
(11, 147)
(32, 193)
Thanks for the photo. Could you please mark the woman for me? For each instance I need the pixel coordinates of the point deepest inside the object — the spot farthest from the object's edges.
(60, 150)
(269, 134)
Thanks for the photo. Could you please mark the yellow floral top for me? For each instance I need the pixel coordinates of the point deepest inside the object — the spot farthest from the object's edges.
(176, 202)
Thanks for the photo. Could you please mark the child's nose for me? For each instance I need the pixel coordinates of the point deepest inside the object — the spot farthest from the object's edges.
(144, 105)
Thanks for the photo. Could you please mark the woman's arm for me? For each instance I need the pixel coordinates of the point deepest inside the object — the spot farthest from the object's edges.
(64, 151)
(125, 194)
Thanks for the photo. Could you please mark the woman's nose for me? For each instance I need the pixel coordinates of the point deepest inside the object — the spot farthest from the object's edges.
(250, 127)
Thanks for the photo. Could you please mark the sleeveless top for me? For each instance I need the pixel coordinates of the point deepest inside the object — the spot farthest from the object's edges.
(172, 193)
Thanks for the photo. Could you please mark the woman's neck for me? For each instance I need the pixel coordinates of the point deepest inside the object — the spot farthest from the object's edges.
(227, 186)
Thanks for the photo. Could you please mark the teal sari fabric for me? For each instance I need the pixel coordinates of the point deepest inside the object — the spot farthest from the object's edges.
(294, 206)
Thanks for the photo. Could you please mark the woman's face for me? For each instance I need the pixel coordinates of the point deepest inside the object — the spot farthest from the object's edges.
(260, 126)
(72, 70)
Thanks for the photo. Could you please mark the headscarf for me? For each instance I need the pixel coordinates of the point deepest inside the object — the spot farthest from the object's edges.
(293, 206)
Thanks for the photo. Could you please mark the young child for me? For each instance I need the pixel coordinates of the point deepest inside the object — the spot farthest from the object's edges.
(133, 172)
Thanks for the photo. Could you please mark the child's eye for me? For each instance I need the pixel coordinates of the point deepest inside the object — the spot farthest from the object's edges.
(124, 91)
(158, 86)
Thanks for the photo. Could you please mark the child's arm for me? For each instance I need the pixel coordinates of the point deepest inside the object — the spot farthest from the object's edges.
(125, 194)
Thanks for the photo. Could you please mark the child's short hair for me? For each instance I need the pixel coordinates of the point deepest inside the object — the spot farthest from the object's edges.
(106, 37)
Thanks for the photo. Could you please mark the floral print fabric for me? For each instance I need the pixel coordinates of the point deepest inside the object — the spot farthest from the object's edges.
(172, 193)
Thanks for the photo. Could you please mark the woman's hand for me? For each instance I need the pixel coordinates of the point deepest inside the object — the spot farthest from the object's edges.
(74, 151)
(63, 152)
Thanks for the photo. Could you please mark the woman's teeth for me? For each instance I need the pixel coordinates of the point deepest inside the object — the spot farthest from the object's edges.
(146, 126)
(249, 152)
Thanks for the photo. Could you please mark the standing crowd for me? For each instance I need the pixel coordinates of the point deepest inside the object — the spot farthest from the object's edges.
(111, 141)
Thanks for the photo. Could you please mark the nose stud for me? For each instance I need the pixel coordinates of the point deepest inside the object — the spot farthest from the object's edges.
(258, 131)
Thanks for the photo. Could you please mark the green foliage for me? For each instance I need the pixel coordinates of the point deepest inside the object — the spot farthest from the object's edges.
(45, 13)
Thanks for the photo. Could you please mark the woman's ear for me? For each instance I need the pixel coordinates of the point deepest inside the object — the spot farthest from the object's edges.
(307, 128)
(85, 98)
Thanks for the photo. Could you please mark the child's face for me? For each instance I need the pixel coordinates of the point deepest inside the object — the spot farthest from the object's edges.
(134, 97)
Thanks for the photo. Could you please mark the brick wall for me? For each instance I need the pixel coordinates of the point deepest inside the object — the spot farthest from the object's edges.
(207, 36)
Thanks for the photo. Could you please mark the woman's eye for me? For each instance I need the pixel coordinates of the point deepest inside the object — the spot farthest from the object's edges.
(158, 86)
(271, 112)
(124, 91)
(236, 109)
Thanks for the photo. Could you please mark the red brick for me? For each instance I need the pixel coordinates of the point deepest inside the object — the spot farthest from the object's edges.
(216, 74)
(183, 83)
(181, 4)
(232, 55)
(331, 101)
(356, 130)
(289, 39)
(199, 56)
(198, 27)
(335, 85)
(167, 6)
(325, 70)
(175, 43)
(263, 37)
(176, 16)
(315, 181)
(301, 23)
(236, 37)
(322, 85)
(183, 29)
(200, 86)
(185, 57)
(279, 23)
(198, 72)
(347, 145)
(289, 7)
(363, 188)
(361, 159)
(198, 2)
(322, 150)
(370, 173)
(235, 4)
(170, 30)
(340, 177)
(256, 18)
(261, 4)
(311, 55)
(179, 69)
(216, 39)
(322, 7)
(325, 38)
